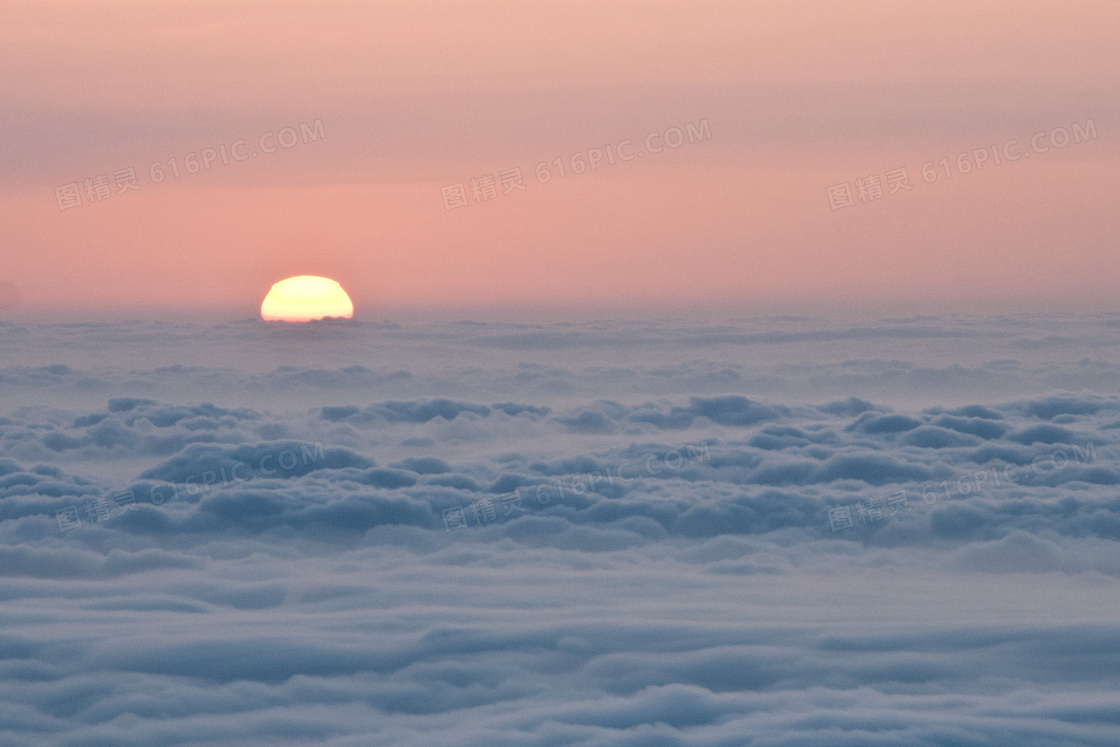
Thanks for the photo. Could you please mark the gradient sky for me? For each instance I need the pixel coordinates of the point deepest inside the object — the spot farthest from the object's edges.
(415, 96)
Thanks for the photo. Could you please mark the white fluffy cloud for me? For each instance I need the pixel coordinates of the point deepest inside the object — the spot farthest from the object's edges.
(507, 548)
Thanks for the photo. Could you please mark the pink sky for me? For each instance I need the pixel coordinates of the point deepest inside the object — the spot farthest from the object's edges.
(413, 96)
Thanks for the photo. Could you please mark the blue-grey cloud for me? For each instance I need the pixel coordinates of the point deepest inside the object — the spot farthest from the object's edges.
(530, 538)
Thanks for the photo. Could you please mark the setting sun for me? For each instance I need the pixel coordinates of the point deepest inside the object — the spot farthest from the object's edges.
(306, 298)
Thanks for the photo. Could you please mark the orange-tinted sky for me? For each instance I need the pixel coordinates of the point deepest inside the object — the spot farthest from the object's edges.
(417, 96)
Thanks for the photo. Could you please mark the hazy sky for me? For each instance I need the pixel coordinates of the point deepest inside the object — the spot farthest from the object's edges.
(404, 99)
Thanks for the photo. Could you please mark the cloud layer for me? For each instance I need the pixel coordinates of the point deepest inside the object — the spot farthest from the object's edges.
(713, 567)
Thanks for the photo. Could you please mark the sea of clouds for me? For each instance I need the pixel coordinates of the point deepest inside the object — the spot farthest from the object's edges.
(768, 531)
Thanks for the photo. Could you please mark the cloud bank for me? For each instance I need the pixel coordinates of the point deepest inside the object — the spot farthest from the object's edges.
(555, 566)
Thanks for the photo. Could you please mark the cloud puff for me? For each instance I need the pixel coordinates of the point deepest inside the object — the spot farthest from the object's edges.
(729, 410)
(422, 411)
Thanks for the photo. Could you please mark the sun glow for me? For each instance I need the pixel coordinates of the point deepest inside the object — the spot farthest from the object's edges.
(306, 298)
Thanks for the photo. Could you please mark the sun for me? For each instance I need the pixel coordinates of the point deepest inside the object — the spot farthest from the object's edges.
(306, 298)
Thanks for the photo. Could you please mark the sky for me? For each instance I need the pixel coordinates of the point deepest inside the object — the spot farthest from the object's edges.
(399, 101)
